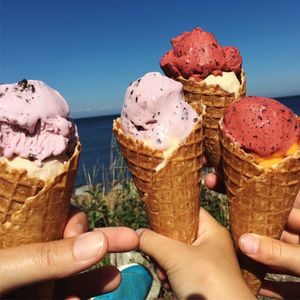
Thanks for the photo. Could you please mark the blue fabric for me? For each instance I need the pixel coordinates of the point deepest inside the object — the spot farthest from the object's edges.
(136, 284)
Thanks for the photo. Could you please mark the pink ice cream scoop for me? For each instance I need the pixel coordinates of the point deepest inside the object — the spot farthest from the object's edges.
(233, 60)
(155, 111)
(261, 125)
(197, 54)
(34, 122)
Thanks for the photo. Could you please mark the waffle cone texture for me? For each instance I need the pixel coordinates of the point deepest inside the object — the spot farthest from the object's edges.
(169, 186)
(33, 210)
(216, 101)
(260, 200)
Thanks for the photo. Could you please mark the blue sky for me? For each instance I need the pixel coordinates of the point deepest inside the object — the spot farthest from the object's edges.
(90, 50)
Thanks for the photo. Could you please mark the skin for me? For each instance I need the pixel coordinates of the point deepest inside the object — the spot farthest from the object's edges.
(59, 260)
(200, 270)
(282, 256)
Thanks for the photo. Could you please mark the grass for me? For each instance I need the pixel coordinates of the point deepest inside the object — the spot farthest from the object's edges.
(114, 201)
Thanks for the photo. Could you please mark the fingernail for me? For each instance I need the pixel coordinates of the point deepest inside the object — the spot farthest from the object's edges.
(87, 245)
(77, 230)
(80, 229)
(249, 243)
(140, 231)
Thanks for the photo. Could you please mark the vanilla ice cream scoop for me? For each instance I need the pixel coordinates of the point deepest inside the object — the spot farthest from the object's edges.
(34, 122)
(155, 111)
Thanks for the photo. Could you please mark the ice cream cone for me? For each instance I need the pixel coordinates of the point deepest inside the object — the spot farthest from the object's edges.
(216, 101)
(33, 210)
(169, 181)
(260, 199)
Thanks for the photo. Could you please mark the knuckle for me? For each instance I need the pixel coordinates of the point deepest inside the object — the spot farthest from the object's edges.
(274, 251)
(46, 258)
(145, 238)
(224, 231)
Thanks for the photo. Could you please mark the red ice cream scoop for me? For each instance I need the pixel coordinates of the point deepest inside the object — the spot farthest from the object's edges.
(260, 125)
(198, 54)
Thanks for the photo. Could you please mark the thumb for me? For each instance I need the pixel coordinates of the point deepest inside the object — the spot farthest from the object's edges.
(51, 260)
(163, 249)
(271, 252)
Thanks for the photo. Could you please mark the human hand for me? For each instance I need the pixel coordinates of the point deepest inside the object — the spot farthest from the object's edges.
(55, 260)
(213, 182)
(282, 256)
(207, 269)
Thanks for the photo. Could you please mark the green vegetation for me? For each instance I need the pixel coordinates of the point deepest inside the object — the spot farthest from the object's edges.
(115, 202)
(121, 206)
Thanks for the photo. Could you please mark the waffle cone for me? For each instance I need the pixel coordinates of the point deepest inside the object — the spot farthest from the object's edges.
(260, 200)
(33, 210)
(169, 186)
(216, 101)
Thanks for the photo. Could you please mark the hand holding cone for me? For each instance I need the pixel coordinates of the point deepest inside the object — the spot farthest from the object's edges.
(260, 196)
(40, 151)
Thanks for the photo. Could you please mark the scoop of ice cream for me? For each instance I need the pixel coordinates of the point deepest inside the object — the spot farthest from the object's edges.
(155, 111)
(233, 59)
(228, 82)
(34, 121)
(198, 54)
(50, 168)
(261, 125)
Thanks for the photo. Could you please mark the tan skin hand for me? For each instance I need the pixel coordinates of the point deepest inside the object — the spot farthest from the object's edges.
(282, 256)
(208, 269)
(59, 260)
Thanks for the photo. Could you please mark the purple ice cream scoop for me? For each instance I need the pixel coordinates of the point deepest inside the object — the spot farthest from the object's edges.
(34, 121)
(155, 111)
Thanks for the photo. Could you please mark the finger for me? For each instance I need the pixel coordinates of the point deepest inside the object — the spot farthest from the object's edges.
(290, 238)
(150, 241)
(121, 239)
(293, 222)
(163, 249)
(213, 182)
(88, 284)
(161, 273)
(297, 201)
(166, 285)
(205, 161)
(271, 252)
(52, 260)
(280, 290)
(77, 222)
(207, 223)
(169, 249)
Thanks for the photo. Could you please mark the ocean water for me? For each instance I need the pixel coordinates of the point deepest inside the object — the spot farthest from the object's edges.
(96, 137)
